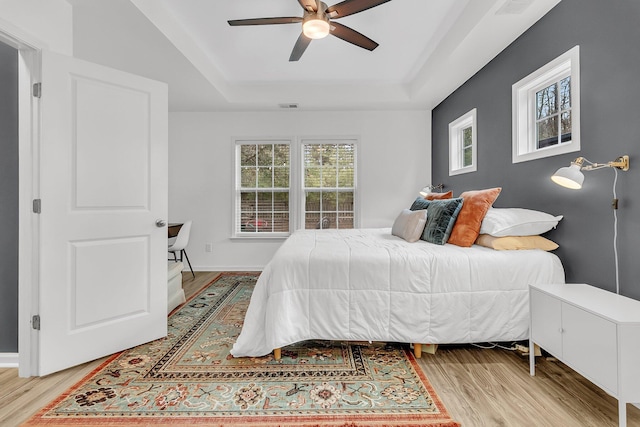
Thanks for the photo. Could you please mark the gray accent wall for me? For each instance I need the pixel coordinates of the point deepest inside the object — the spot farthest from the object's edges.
(8, 199)
(608, 33)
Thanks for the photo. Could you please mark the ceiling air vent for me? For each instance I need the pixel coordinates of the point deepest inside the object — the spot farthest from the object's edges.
(288, 106)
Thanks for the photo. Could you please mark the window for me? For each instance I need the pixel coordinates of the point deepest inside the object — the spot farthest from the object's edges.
(278, 190)
(328, 183)
(546, 110)
(553, 114)
(462, 144)
(263, 182)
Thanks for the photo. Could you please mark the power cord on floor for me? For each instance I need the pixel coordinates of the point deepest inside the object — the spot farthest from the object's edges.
(496, 345)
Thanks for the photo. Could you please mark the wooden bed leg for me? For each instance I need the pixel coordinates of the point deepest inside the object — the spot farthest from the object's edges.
(277, 353)
(417, 350)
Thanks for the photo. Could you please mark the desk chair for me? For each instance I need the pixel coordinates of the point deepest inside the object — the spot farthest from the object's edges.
(324, 223)
(179, 245)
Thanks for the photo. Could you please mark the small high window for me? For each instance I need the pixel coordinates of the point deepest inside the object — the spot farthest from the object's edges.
(462, 144)
(546, 110)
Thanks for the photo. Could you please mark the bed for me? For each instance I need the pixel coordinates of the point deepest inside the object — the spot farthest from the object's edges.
(368, 285)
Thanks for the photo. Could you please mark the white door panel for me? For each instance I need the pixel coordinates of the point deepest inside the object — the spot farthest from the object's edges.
(103, 184)
(106, 137)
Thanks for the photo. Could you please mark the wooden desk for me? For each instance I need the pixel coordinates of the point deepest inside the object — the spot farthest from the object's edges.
(173, 228)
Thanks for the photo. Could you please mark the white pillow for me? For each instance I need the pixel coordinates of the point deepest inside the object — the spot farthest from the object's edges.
(501, 222)
(409, 225)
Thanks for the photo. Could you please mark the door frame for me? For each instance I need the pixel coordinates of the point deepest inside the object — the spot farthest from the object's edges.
(29, 50)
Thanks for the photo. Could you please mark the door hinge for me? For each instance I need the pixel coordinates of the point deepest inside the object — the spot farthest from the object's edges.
(35, 322)
(37, 206)
(37, 90)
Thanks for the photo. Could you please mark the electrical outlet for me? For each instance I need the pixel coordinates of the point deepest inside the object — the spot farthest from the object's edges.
(208, 247)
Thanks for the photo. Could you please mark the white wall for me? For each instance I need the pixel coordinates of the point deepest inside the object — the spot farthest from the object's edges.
(394, 161)
(46, 23)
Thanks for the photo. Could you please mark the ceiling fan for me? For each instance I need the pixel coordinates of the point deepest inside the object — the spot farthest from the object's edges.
(317, 22)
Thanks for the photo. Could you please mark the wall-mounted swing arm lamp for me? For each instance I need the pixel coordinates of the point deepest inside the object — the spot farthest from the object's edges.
(572, 177)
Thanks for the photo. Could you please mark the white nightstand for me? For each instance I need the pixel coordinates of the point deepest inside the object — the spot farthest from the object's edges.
(593, 331)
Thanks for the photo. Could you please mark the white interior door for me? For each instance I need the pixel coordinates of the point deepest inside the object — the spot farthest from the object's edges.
(103, 185)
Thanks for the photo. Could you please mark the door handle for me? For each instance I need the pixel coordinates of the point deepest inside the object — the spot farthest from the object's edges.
(160, 223)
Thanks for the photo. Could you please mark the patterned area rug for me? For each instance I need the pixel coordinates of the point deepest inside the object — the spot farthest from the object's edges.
(189, 377)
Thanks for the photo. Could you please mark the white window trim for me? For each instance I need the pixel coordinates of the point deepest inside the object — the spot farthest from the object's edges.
(523, 108)
(300, 217)
(235, 206)
(296, 187)
(456, 143)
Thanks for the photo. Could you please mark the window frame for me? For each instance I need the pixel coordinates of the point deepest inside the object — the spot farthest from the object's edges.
(237, 187)
(523, 95)
(327, 140)
(456, 143)
(296, 182)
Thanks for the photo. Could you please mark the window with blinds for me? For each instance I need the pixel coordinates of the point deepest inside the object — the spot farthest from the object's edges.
(263, 187)
(329, 172)
(282, 184)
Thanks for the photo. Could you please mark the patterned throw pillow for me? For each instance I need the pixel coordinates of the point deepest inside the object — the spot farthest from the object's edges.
(441, 216)
(420, 204)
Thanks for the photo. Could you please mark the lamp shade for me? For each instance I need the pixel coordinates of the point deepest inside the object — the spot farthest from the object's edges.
(569, 176)
(316, 28)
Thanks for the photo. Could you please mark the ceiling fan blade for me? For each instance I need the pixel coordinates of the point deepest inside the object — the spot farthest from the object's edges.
(309, 5)
(349, 7)
(299, 48)
(266, 21)
(352, 36)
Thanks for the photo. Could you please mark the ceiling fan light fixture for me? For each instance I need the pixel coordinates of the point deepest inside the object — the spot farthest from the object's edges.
(316, 28)
(317, 23)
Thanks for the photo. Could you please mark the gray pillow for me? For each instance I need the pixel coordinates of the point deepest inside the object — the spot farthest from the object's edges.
(409, 225)
(441, 216)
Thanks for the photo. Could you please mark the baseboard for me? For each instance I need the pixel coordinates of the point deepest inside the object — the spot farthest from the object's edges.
(9, 360)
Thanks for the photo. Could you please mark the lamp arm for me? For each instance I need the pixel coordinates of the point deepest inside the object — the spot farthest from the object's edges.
(621, 163)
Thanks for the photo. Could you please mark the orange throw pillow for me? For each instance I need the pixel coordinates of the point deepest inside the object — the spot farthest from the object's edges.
(439, 196)
(474, 208)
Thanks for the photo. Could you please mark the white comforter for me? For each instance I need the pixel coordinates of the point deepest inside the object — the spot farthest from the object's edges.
(367, 285)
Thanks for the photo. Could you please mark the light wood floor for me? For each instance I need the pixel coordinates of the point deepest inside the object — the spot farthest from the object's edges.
(479, 387)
